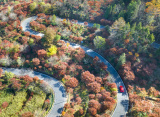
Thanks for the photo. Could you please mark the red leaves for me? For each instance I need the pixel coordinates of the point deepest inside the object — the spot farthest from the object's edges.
(24, 40)
(15, 56)
(4, 104)
(39, 20)
(27, 34)
(105, 22)
(79, 54)
(36, 61)
(112, 85)
(86, 23)
(41, 15)
(95, 60)
(61, 67)
(70, 111)
(27, 61)
(80, 39)
(94, 87)
(28, 114)
(67, 105)
(81, 111)
(127, 72)
(94, 104)
(107, 105)
(78, 100)
(47, 101)
(92, 111)
(91, 96)
(105, 95)
(93, 107)
(1, 71)
(153, 92)
(15, 84)
(37, 26)
(38, 38)
(35, 78)
(42, 53)
(1, 84)
(76, 38)
(72, 82)
(3, 24)
(99, 80)
(27, 78)
(103, 66)
(87, 77)
(10, 28)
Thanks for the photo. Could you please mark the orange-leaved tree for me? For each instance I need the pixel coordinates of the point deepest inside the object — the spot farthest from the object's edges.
(153, 7)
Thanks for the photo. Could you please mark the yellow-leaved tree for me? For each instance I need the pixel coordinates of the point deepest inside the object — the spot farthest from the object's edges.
(153, 7)
(52, 50)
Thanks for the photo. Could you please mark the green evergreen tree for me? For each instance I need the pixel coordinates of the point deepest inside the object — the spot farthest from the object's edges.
(57, 38)
(133, 28)
(32, 6)
(114, 11)
(139, 26)
(132, 12)
(48, 37)
(151, 38)
(121, 60)
(127, 27)
(53, 20)
(8, 75)
(122, 14)
(108, 11)
(99, 42)
(147, 30)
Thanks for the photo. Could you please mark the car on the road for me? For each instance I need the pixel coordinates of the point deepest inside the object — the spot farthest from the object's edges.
(121, 89)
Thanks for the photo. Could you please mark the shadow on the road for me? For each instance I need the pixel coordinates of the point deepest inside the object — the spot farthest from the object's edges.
(36, 74)
(58, 84)
(64, 95)
(60, 110)
(124, 93)
(63, 91)
(122, 116)
(125, 104)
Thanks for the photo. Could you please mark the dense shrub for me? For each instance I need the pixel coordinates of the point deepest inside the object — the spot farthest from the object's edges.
(32, 6)
(52, 50)
(72, 82)
(36, 61)
(92, 111)
(99, 42)
(87, 77)
(50, 34)
(8, 75)
(94, 104)
(94, 87)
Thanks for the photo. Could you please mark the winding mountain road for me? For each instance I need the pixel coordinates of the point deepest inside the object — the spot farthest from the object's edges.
(60, 97)
(122, 98)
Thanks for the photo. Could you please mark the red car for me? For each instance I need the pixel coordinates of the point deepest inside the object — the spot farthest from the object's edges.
(121, 89)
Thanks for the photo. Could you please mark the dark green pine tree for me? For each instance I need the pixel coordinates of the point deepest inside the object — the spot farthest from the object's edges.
(133, 9)
(151, 38)
(139, 26)
(108, 11)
